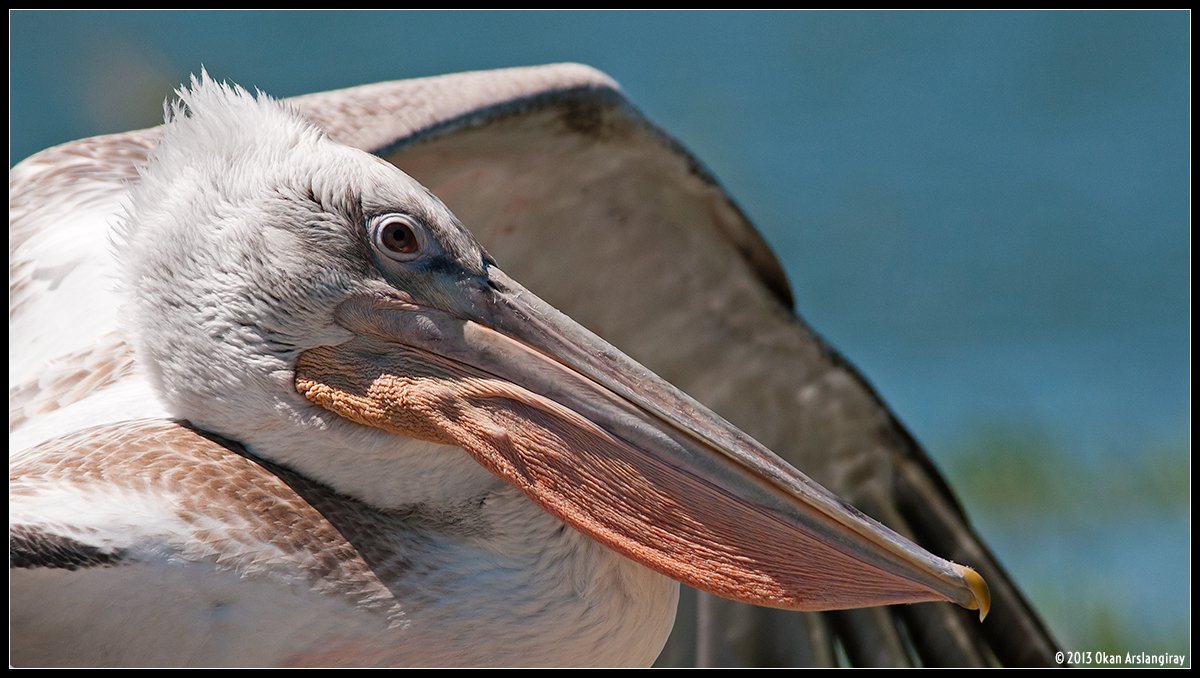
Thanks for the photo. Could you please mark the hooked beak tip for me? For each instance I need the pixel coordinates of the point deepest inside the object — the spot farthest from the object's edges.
(981, 597)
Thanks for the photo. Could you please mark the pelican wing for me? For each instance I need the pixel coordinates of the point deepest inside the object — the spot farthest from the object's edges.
(164, 512)
(609, 219)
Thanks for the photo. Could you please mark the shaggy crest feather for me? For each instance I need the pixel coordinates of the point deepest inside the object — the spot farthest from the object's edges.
(209, 248)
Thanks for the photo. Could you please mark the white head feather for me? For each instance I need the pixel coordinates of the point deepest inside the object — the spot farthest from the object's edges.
(244, 233)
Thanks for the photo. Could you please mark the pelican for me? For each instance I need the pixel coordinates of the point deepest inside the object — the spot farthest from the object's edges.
(271, 403)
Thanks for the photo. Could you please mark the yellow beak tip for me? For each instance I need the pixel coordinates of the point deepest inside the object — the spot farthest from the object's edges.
(981, 597)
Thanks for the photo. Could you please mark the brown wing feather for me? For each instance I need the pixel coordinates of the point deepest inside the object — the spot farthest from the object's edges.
(244, 511)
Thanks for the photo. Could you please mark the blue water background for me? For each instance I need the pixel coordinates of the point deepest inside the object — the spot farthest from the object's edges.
(987, 212)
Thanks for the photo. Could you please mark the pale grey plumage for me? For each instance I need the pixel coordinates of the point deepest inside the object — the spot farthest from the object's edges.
(726, 335)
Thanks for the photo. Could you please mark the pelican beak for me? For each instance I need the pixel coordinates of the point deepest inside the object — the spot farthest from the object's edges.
(617, 453)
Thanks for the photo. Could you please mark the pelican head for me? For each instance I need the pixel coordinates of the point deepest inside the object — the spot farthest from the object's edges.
(319, 305)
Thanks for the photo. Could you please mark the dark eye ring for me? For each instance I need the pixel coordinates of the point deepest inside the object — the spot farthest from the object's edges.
(397, 236)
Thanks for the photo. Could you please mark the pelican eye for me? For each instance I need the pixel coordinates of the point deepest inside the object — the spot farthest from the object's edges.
(396, 235)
